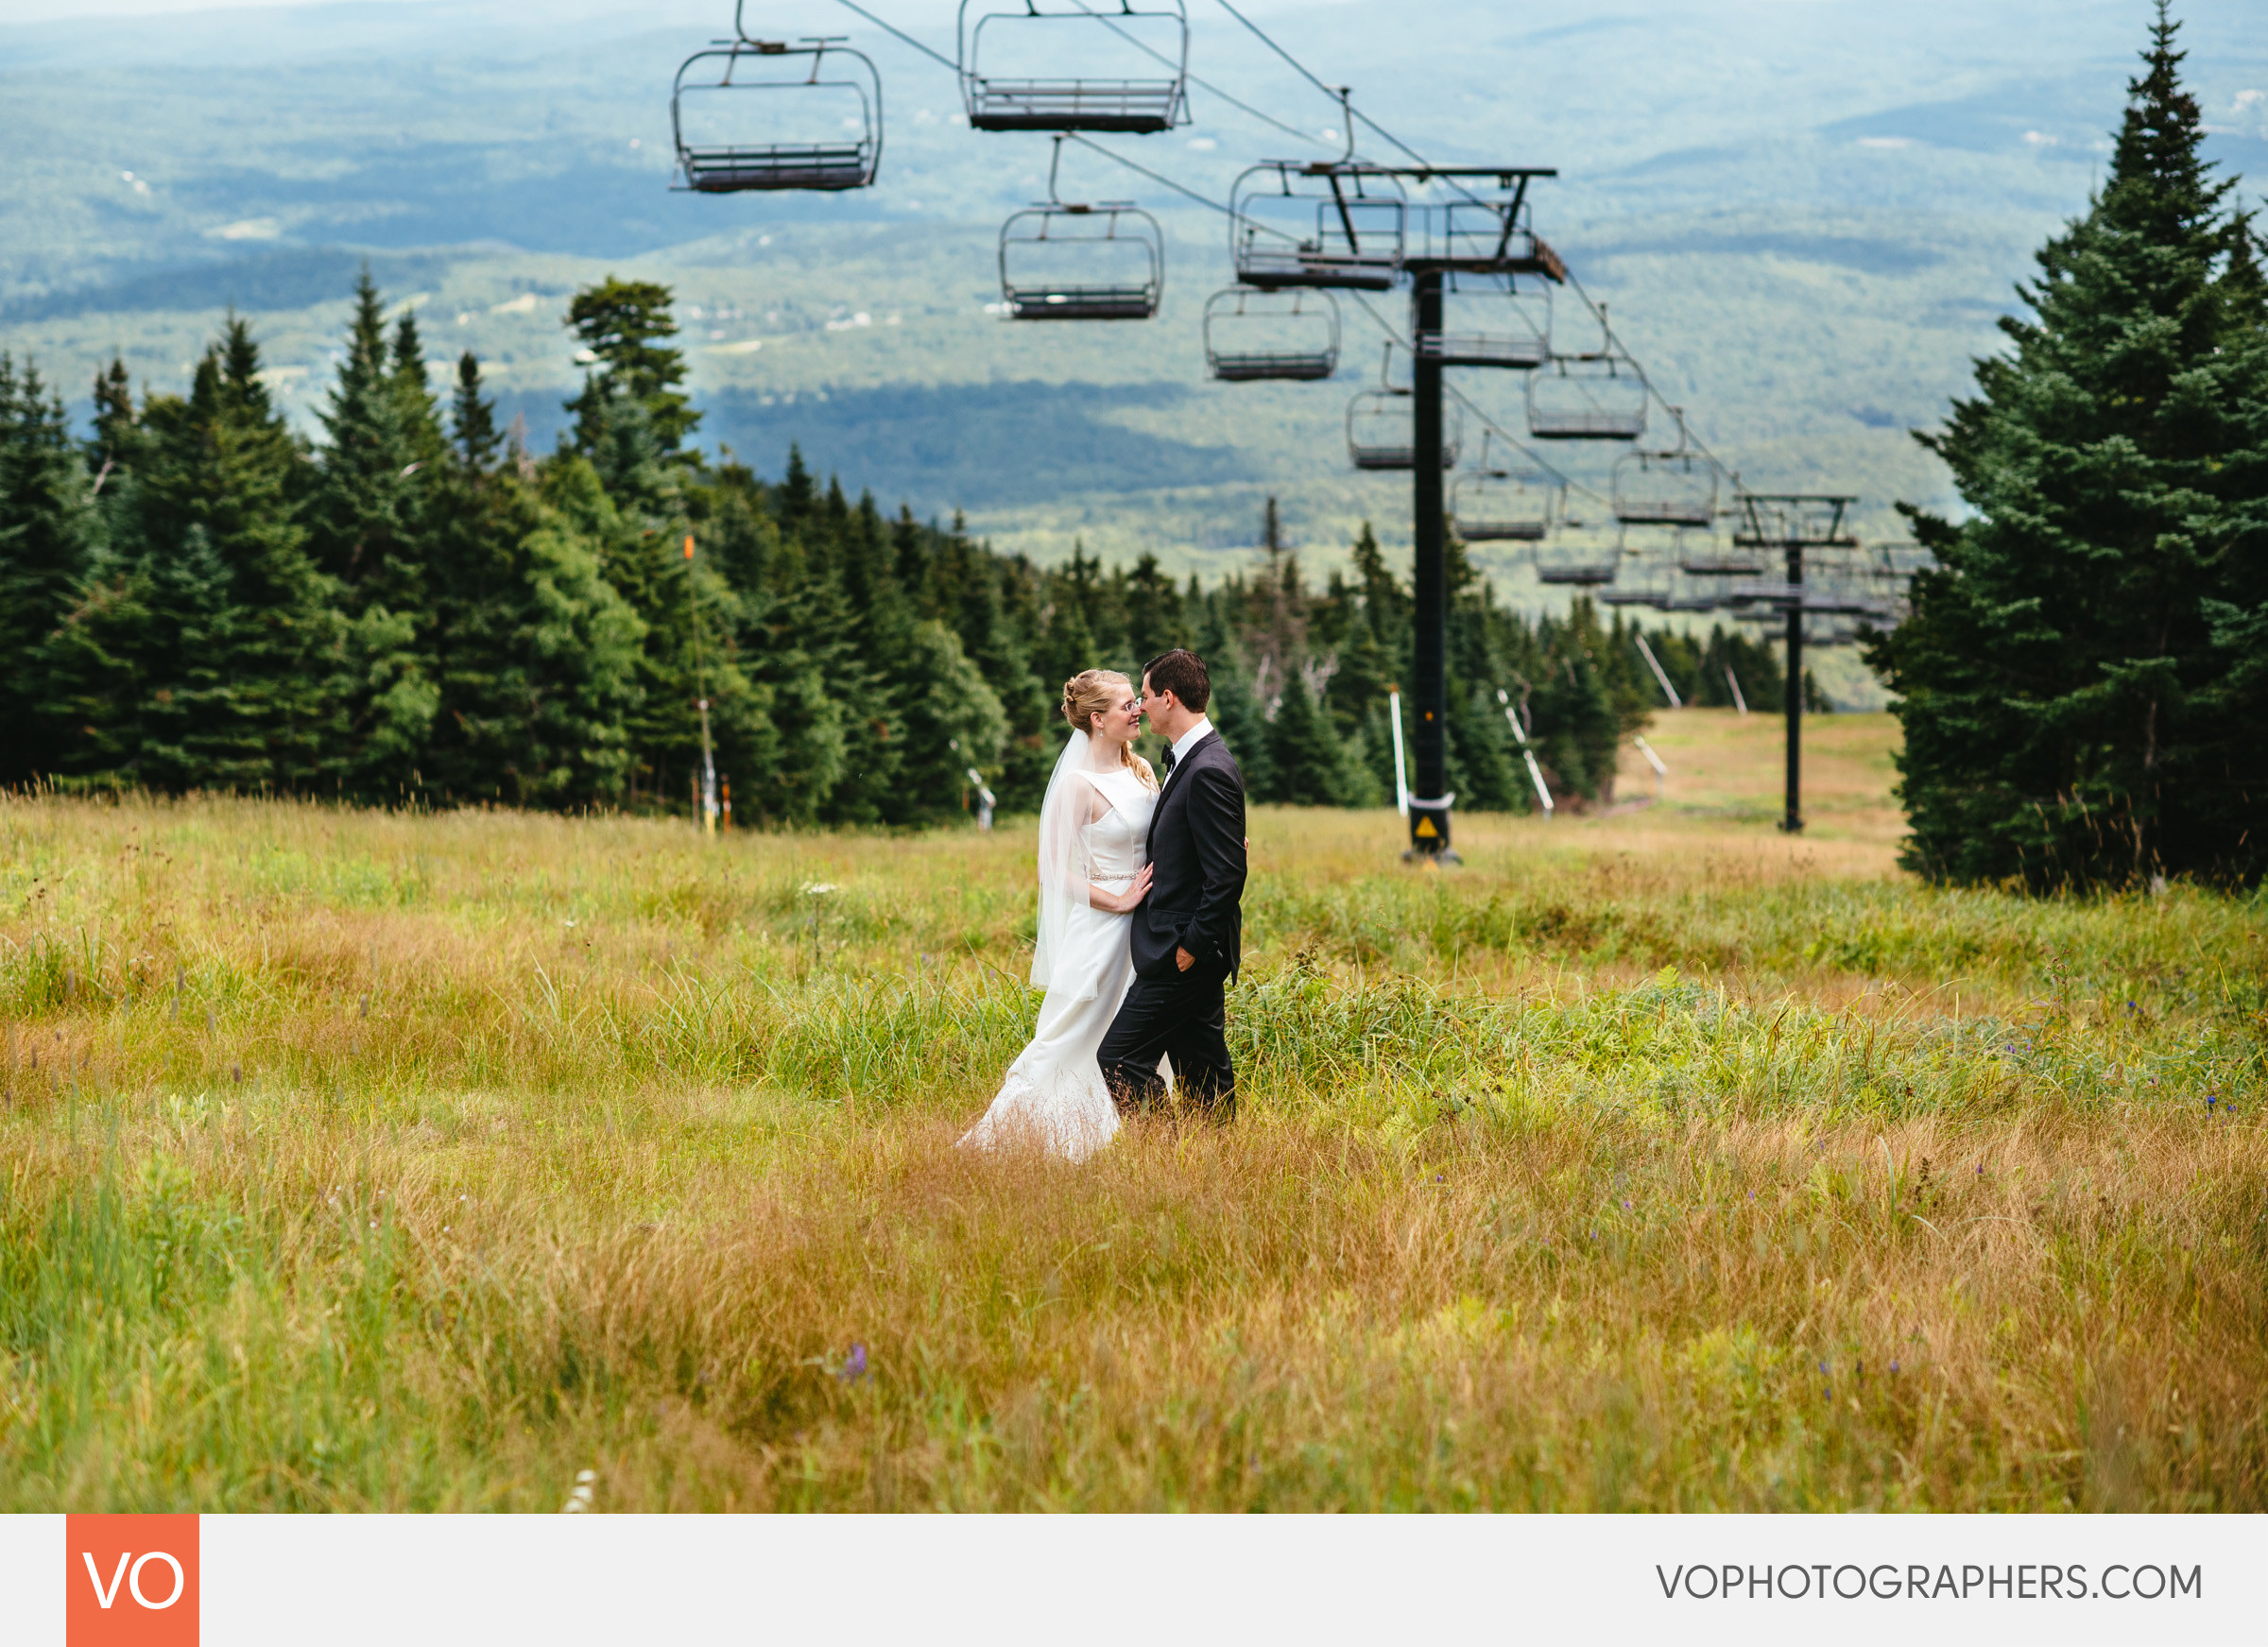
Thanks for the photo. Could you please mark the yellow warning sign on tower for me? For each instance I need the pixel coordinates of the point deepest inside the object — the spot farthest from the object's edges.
(1425, 830)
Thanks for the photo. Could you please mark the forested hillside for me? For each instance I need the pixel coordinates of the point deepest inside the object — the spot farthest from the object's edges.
(417, 608)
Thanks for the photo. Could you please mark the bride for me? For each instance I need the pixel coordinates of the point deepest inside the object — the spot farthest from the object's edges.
(1093, 828)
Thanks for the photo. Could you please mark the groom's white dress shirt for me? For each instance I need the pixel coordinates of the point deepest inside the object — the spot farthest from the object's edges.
(1188, 740)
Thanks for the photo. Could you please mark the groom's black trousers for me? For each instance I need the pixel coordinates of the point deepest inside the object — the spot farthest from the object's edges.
(1183, 1018)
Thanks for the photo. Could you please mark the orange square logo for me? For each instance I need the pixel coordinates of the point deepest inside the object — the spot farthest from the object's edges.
(130, 1581)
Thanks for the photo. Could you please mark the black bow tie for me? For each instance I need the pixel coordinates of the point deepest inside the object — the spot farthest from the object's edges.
(1165, 762)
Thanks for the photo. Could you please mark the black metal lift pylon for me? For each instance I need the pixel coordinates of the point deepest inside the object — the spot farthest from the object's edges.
(1474, 236)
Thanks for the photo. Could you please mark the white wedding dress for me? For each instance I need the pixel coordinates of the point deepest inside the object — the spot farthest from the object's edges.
(1053, 1096)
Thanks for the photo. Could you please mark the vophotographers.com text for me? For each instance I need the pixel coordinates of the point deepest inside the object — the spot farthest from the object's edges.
(1889, 1582)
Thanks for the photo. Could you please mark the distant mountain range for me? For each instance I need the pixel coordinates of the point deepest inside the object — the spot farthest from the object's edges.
(1803, 217)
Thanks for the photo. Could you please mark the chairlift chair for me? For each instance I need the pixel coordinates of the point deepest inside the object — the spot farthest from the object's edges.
(1381, 424)
(1653, 593)
(1673, 488)
(1073, 260)
(1587, 398)
(1846, 603)
(719, 87)
(1590, 565)
(1773, 594)
(1899, 562)
(1713, 559)
(1498, 505)
(1507, 326)
(1001, 92)
(1293, 223)
(1382, 430)
(1253, 335)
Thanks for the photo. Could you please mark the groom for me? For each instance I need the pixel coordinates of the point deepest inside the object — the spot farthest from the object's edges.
(1188, 936)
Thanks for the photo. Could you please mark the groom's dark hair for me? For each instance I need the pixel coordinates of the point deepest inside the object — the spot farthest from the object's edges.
(1180, 672)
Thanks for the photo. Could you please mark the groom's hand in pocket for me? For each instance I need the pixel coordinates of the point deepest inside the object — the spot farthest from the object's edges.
(1183, 959)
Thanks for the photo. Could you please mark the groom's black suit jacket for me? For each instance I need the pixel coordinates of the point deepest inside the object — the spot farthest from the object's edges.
(1196, 851)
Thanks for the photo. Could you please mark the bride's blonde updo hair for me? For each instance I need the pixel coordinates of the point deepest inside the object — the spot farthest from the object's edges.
(1093, 692)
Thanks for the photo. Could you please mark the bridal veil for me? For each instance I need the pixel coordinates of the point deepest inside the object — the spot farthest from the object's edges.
(1064, 881)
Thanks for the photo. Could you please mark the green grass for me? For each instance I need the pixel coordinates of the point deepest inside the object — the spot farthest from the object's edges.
(374, 1161)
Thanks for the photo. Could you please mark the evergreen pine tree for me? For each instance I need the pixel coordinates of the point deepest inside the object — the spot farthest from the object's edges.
(619, 324)
(808, 757)
(1235, 710)
(953, 720)
(358, 518)
(216, 629)
(1307, 757)
(865, 627)
(969, 584)
(369, 522)
(1371, 659)
(1573, 723)
(1155, 622)
(909, 550)
(799, 499)
(2065, 681)
(49, 538)
(1070, 644)
(115, 422)
(534, 654)
(1481, 768)
(472, 419)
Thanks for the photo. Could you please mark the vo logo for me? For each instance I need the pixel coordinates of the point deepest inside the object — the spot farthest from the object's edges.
(130, 1581)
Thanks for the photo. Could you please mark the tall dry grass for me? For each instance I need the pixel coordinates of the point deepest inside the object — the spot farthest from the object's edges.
(359, 1160)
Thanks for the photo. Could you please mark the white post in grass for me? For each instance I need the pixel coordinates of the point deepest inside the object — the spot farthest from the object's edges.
(1734, 682)
(984, 803)
(705, 796)
(1402, 781)
(1659, 674)
(1653, 761)
(1520, 734)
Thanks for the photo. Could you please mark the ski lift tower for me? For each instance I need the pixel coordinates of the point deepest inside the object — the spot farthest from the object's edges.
(1792, 522)
(1484, 231)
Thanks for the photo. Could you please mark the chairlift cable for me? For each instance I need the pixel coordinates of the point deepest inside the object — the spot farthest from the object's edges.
(1149, 50)
(1262, 36)
(1521, 447)
(1486, 421)
(1607, 332)
(1130, 165)
(889, 29)
(1337, 94)
(1153, 177)
(1352, 114)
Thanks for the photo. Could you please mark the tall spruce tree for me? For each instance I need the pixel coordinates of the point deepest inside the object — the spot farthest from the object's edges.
(2068, 681)
(360, 526)
(536, 655)
(213, 635)
(632, 415)
(371, 519)
(1308, 761)
(49, 538)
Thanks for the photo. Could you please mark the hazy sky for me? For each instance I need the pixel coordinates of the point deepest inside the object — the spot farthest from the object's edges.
(909, 11)
(940, 12)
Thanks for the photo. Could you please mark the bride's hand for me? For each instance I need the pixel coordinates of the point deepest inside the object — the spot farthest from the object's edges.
(1123, 902)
